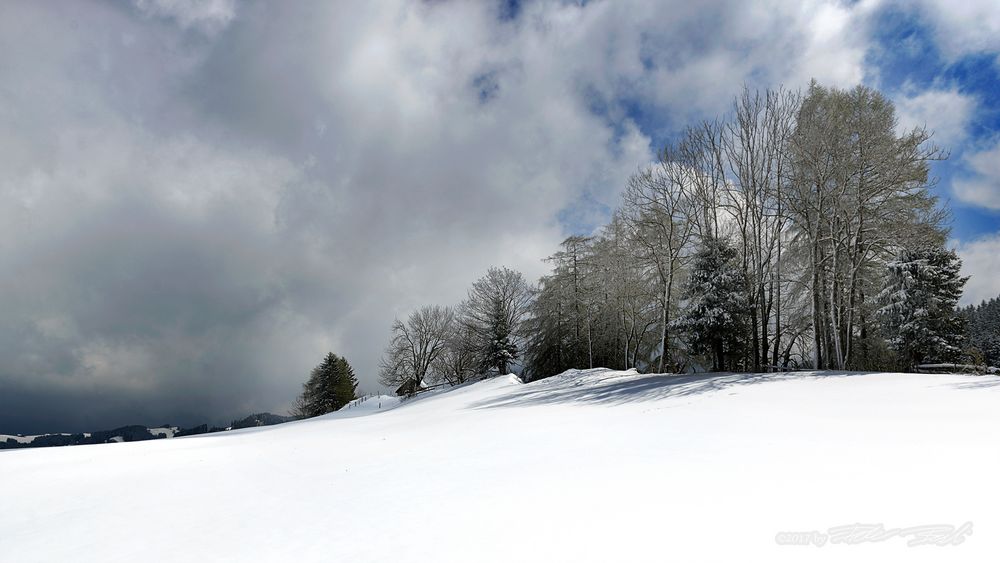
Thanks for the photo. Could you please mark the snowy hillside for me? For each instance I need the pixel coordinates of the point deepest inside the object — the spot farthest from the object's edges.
(587, 466)
(368, 404)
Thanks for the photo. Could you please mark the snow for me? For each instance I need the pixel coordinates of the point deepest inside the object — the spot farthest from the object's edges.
(18, 439)
(958, 368)
(27, 439)
(165, 431)
(366, 405)
(592, 465)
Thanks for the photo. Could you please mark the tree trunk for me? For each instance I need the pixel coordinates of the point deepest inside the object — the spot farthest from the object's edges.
(816, 325)
(663, 326)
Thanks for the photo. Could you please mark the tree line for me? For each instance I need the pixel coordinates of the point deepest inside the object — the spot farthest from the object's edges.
(983, 332)
(481, 335)
(797, 231)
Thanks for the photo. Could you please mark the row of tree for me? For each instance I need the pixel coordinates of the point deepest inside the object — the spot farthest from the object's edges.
(797, 231)
(453, 344)
(764, 241)
(983, 332)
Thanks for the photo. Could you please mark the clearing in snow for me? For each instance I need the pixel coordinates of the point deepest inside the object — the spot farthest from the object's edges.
(594, 465)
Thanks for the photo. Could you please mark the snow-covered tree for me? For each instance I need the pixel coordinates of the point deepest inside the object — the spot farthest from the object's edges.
(330, 386)
(715, 318)
(919, 311)
(983, 332)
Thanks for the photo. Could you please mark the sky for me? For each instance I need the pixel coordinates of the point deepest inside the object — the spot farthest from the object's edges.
(199, 199)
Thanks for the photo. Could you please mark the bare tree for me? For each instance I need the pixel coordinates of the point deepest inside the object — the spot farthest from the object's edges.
(859, 193)
(415, 345)
(754, 144)
(658, 205)
(457, 362)
(702, 154)
(629, 292)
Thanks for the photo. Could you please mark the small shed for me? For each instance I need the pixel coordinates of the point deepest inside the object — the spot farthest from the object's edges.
(410, 387)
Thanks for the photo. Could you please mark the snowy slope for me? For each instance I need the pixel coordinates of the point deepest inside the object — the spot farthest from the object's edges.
(586, 466)
(369, 404)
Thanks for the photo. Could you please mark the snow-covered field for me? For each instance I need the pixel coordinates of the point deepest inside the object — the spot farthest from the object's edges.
(587, 466)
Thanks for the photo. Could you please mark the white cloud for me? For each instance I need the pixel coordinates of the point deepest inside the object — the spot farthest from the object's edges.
(963, 27)
(981, 261)
(945, 112)
(837, 40)
(210, 16)
(981, 185)
(697, 56)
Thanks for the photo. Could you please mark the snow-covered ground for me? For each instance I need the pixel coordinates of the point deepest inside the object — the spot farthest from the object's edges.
(587, 466)
(369, 404)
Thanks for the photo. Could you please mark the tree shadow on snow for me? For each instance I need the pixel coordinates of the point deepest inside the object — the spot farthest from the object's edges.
(591, 388)
(981, 382)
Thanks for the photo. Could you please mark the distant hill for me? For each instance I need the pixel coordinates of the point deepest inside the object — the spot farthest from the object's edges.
(260, 419)
(133, 433)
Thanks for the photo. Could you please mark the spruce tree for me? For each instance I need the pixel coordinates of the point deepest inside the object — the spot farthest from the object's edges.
(918, 311)
(715, 318)
(493, 314)
(330, 386)
(500, 350)
(345, 384)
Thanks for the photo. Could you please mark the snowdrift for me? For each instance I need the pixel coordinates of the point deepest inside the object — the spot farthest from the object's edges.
(593, 465)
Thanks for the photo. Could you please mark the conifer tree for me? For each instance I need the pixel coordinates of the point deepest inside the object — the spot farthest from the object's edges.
(330, 386)
(983, 332)
(345, 384)
(919, 300)
(715, 317)
(493, 314)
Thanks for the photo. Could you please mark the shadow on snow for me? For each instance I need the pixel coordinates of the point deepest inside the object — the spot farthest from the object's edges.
(590, 387)
(981, 382)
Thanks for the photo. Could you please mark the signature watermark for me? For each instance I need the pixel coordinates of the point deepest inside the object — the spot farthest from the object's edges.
(853, 534)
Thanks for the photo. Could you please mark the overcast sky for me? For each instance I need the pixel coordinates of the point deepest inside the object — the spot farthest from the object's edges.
(198, 200)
